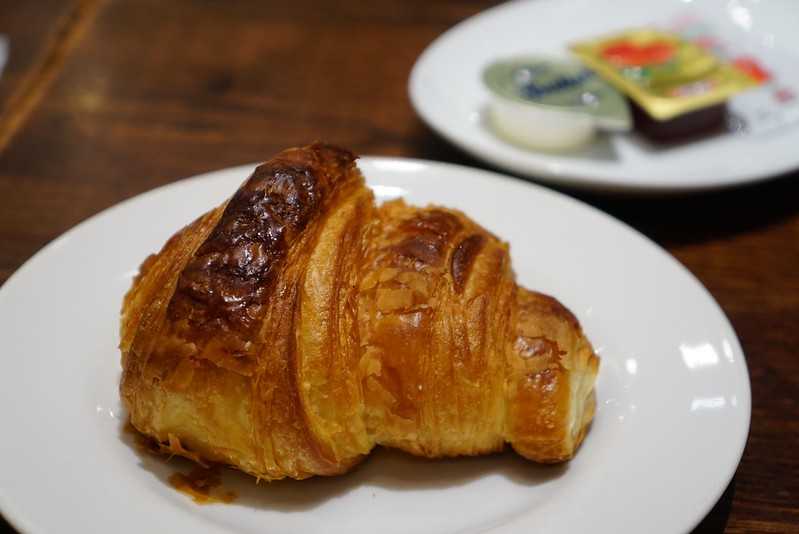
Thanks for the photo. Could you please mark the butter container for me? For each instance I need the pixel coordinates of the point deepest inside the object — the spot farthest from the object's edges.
(550, 104)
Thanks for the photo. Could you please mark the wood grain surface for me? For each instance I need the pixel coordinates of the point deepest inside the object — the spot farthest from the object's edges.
(133, 94)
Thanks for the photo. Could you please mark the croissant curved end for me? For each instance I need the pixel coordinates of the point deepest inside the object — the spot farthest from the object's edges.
(299, 325)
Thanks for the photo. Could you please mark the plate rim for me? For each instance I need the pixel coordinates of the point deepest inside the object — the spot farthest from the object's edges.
(24, 524)
(538, 168)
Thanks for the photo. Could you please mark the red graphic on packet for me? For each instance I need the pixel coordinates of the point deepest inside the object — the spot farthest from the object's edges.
(628, 54)
(752, 68)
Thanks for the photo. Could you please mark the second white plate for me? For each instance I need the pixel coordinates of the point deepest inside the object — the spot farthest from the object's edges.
(447, 91)
(673, 391)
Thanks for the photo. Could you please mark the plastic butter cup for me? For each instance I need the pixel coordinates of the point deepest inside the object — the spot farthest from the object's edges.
(536, 126)
(551, 104)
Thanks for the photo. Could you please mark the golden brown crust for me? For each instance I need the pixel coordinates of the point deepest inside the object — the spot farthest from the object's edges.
(228, 281)
(295, 327)
(432, 363)
(463, 258)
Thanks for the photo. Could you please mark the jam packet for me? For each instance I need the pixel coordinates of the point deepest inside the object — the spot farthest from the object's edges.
(773, 106)
(665, 75)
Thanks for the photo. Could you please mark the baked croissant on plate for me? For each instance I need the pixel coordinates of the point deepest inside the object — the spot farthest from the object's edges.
(298, 325)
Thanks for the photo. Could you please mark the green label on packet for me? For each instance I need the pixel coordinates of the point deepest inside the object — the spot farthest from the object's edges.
(561, 85)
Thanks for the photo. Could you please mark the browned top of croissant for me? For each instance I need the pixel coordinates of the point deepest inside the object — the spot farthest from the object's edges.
(298, 325)
(228, 280)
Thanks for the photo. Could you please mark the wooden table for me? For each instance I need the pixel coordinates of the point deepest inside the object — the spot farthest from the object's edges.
(103, 100)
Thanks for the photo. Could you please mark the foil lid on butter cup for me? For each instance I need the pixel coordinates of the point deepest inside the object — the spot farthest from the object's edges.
(559, 85)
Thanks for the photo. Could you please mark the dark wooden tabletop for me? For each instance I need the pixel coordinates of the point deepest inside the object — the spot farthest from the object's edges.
(102, 100)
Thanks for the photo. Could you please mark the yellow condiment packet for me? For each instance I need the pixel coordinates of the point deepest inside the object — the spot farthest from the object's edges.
(663, 73)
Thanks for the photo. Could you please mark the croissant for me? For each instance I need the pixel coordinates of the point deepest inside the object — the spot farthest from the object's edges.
(298, 325)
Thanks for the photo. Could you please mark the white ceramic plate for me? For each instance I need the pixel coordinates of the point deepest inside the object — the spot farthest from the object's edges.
(446, 90)
(673, 389)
